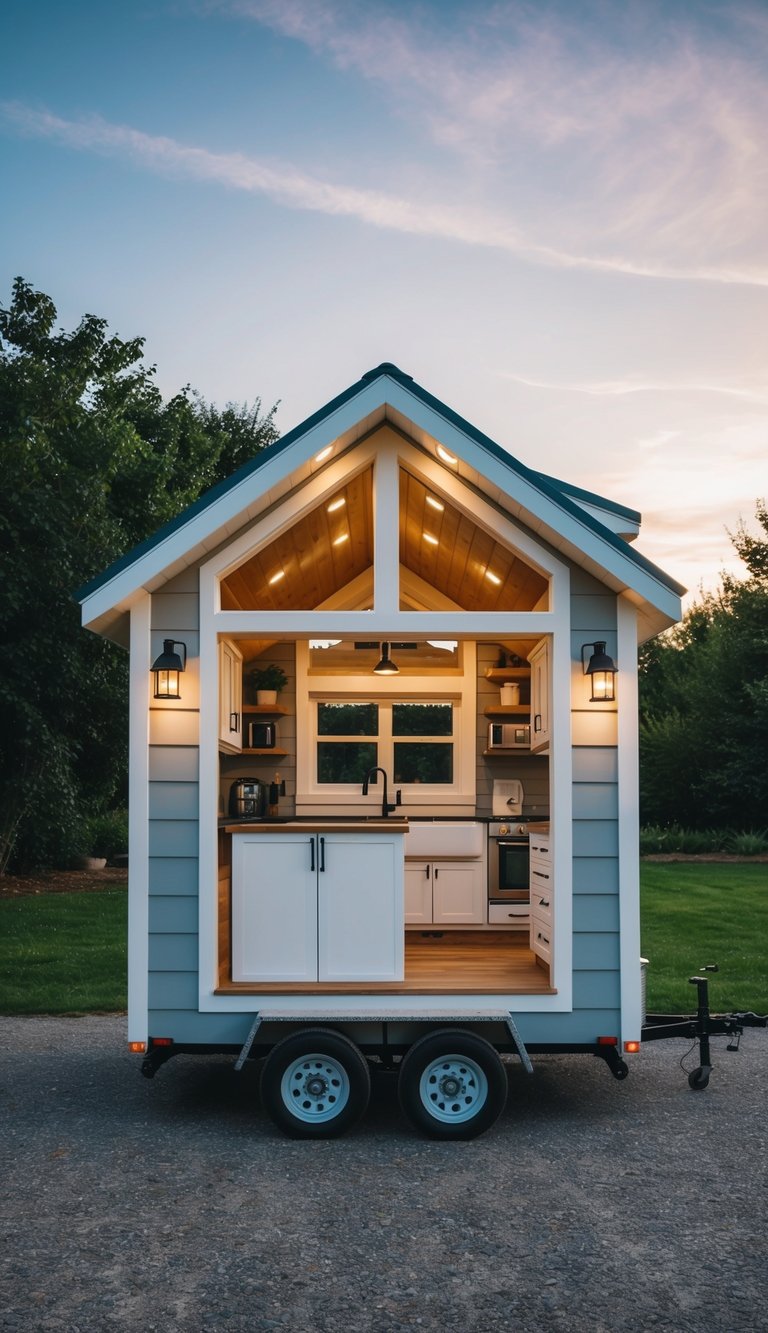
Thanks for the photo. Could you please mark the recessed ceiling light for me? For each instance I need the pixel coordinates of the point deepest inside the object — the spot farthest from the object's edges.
(429, 538)
(436, 504)
(324, 453)
(339, 541)
(278, 576)
(336, 504)
(493, 577)
(446, 457)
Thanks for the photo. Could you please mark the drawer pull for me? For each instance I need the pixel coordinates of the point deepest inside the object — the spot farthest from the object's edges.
(541, 874)
(543, 938)
(543, 902)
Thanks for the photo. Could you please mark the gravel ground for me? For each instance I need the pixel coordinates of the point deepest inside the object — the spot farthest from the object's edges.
(175, 1205)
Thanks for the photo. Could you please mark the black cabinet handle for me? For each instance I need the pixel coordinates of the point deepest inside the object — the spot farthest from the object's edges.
(322, 855)
(426, 871)
(537, 722)
(311, 853)
(234, 726)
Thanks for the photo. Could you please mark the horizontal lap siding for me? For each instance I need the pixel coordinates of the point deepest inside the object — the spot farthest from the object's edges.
(173, 827)
(596, 939)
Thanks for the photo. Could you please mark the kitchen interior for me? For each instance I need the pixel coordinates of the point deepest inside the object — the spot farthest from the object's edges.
(478, 888)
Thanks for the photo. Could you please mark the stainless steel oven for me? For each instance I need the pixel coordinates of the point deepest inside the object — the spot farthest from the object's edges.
(509, 866)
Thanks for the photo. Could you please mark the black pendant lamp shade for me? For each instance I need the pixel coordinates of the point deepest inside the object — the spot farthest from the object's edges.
(385, 666)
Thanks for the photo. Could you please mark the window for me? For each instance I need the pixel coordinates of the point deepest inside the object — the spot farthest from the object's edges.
(413, 740)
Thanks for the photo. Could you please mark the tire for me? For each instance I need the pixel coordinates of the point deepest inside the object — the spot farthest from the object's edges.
(698, 1080)
(315, 1084)
(452, 1085)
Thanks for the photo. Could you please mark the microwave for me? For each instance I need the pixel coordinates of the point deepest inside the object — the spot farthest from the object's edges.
(509, 736)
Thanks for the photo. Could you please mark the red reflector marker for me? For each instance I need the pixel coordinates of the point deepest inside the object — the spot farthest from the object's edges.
(631, 1047)
(161, 1041)
(607, 1041)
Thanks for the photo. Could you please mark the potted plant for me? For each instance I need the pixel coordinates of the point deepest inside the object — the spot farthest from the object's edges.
(268, 681)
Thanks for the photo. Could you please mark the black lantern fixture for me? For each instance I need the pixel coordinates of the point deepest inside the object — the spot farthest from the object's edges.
(601, 670)
(385, 666)
(167, 668)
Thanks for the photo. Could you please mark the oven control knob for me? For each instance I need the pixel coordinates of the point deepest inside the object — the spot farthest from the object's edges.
(503, 829)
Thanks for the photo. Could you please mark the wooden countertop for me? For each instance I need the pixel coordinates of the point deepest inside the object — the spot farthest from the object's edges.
(321, 825)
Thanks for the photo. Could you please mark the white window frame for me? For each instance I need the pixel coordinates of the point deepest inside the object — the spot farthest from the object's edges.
(458, 689)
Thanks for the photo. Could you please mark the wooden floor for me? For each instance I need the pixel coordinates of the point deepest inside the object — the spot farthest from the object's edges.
(455, 963)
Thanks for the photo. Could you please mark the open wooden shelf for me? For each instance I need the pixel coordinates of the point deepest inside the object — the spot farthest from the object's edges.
(266, 710)
(499, 675)
(508, 710)
(278, 754)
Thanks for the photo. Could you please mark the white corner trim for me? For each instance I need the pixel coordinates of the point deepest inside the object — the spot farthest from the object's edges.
(138, 822)
(208, 788)
(629, 806)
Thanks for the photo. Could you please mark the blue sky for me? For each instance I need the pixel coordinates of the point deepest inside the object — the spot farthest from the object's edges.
(552, 215)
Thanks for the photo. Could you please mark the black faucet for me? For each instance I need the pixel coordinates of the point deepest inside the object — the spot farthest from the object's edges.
(386, 808)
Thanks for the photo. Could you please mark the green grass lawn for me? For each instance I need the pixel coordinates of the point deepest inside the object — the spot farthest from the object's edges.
(705, 912)
(65, 953)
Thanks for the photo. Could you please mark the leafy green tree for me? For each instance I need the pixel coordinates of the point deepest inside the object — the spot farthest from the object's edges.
(704, 704)
(92, 460)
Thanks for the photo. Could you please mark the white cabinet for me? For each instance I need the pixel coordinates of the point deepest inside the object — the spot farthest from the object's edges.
(446, 893)
(541, 689)
(542, 896)
(230, 697)
(309, 907)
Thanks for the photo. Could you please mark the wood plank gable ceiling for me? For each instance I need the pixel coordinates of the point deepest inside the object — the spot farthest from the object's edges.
(463, 561)
(332, 545)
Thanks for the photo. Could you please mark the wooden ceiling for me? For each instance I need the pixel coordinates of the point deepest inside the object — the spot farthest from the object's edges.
(461, 555)
(313, 565)
(313, 568)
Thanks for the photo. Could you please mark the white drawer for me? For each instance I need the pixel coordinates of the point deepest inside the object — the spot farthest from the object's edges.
(541, 874)
(541, 938)
(500, 914)
(540, 847)
(541, 905)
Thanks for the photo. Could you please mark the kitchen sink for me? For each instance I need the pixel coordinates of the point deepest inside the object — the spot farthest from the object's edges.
(430, 840)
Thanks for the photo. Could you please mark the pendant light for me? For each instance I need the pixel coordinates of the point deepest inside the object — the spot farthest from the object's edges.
(385, 666)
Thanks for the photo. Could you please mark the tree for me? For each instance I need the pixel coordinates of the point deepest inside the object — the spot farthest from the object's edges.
(92, 460)
(704, 704)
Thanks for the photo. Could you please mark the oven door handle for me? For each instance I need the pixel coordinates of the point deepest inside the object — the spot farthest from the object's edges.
(511, 842)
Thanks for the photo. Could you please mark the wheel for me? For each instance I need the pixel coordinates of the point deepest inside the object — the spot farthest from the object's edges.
(698, 1079)
(452, 1085)
(315, 1084)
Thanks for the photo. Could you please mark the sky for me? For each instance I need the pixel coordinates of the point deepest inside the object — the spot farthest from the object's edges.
(551, 215)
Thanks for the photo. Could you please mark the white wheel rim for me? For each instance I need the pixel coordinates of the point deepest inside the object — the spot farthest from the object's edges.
(315, 1088)
(453, 1089)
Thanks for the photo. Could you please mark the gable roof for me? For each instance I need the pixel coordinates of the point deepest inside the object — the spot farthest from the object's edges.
(382, 389)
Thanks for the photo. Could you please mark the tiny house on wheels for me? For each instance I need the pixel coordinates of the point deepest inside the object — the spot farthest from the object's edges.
(421, 849)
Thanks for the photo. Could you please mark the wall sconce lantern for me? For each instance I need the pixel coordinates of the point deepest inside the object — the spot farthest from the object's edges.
(602, 672)
(167, 668)
(385, 667)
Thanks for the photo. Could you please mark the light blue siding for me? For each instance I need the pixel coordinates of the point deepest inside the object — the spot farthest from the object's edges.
(174, 763)
(595, 837)
(186, 1025)
(173, 837)
(173, 800)
(583, 1026)
(173, 915)
(596, 912)
(598, 953)
(594, 874)
(596, 990)
(175, 612)
(593, 615)
(169, 874)
(595, 763)
(595, 800)
(173, 990)
(173, 953)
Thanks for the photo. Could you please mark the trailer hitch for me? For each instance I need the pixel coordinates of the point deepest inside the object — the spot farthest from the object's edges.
(702, 1026)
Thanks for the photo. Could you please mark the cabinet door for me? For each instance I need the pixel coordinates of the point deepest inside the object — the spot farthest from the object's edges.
(459, 894)
(230, 696)
(360, 908)
(540, 692)
(274, 908)
(418, 893)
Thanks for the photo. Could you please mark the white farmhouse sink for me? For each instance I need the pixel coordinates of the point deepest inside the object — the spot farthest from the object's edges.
(443, 839)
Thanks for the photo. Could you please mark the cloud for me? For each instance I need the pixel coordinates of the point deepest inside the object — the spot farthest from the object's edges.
(293, 188)
(630, 139)
(622, 388)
